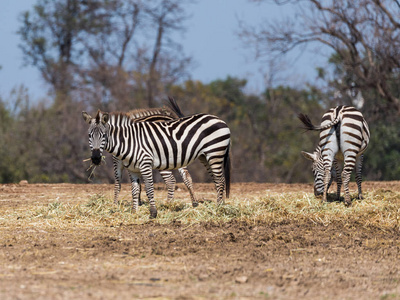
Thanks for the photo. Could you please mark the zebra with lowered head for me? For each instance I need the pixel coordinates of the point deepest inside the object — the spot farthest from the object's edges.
(152, 115)
(344, 136)
(167, 145)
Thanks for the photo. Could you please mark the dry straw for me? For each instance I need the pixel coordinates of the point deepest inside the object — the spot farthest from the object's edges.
(380, 208)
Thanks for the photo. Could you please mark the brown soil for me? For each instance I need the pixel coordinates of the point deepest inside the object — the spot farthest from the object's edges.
(286, 260)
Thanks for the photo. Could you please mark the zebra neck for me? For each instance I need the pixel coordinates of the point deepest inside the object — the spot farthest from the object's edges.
(120, 135)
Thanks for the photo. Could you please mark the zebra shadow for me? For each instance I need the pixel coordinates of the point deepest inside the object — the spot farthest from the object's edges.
(332, 197)
(173, 205)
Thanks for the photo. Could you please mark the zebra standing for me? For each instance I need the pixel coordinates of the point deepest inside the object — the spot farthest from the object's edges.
(344, 136)
(153, 115)
(143, 146)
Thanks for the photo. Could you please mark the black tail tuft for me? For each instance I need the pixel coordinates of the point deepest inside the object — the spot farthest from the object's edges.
(308, 125)
(174, 107)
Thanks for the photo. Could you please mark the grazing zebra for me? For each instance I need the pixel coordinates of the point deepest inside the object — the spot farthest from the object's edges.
(344, 136)
(153, 115)
(143, 146)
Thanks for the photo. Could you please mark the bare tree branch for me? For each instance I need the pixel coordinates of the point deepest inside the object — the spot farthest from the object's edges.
(363, 32)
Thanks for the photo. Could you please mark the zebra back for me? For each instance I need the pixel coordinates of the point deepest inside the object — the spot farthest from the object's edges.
(151, 114)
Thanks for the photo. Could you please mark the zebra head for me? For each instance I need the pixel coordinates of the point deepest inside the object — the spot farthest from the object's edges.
(98, 134)
(317, 169)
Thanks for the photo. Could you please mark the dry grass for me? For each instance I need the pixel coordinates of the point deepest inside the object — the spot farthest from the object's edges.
(379, 208)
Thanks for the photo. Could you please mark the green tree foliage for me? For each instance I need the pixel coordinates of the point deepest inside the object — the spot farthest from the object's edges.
(266, 134)
(7, 173)
(17, 161)
(382, 159)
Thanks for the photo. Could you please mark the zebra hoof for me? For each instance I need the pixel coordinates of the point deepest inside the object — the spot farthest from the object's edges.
(347, 203)
(195, 204)
(140, 203)
(153, 212)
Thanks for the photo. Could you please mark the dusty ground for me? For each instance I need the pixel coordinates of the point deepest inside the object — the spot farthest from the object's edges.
(285, 260)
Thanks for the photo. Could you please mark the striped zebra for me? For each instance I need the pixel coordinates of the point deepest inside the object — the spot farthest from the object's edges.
(153, 115)
(143, 146)
(344, 136)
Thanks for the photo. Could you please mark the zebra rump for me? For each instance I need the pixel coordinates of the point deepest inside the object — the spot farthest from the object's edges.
(227, 159)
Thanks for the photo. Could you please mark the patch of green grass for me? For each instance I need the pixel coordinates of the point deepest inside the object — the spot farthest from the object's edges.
(390, 296)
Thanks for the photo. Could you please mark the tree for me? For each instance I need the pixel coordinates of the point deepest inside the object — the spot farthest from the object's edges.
(168, 16)
(94, 54)
(50, 34)
(109, 51)
(363, 33)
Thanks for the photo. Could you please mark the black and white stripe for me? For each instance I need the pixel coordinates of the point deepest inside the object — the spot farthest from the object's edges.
(344, 136)
(153, 115)
(143, 146)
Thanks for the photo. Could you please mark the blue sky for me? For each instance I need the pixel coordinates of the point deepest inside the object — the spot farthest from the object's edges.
(210, 40)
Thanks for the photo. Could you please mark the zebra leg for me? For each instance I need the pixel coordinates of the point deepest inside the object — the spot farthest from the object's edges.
(338, 168)
(330, 183)
(204, 161)
(118, 167)
(337, 176)
(359, 162)
(170, 181)
(147, 174)
(135, 181)
(135, 177)
(346, 179)
(215, 168)
(327, 179)
(187, 179)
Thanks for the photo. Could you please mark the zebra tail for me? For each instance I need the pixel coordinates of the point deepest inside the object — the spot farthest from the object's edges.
(308, 125)
(174, 107)
(227, 170)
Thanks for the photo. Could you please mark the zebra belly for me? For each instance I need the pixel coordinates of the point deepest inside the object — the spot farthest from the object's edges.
(170, 164)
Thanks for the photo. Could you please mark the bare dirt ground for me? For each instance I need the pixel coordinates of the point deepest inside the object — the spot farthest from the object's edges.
(233, 260)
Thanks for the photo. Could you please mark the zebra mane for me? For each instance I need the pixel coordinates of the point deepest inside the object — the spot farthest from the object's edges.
(147, 112)
(173, 106)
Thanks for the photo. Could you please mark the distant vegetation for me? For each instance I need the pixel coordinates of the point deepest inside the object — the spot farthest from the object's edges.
(104, 54)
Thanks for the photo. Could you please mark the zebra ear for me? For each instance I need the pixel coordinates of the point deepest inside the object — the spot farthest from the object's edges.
(310, 156)
(86, 117)
(104, 117)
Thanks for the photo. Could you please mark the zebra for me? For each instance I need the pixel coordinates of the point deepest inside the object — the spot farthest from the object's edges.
(153, 115)
(166, 145)
(344, 136)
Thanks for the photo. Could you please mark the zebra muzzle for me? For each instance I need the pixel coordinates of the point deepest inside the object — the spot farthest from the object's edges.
(317, 193)
(96, 156)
